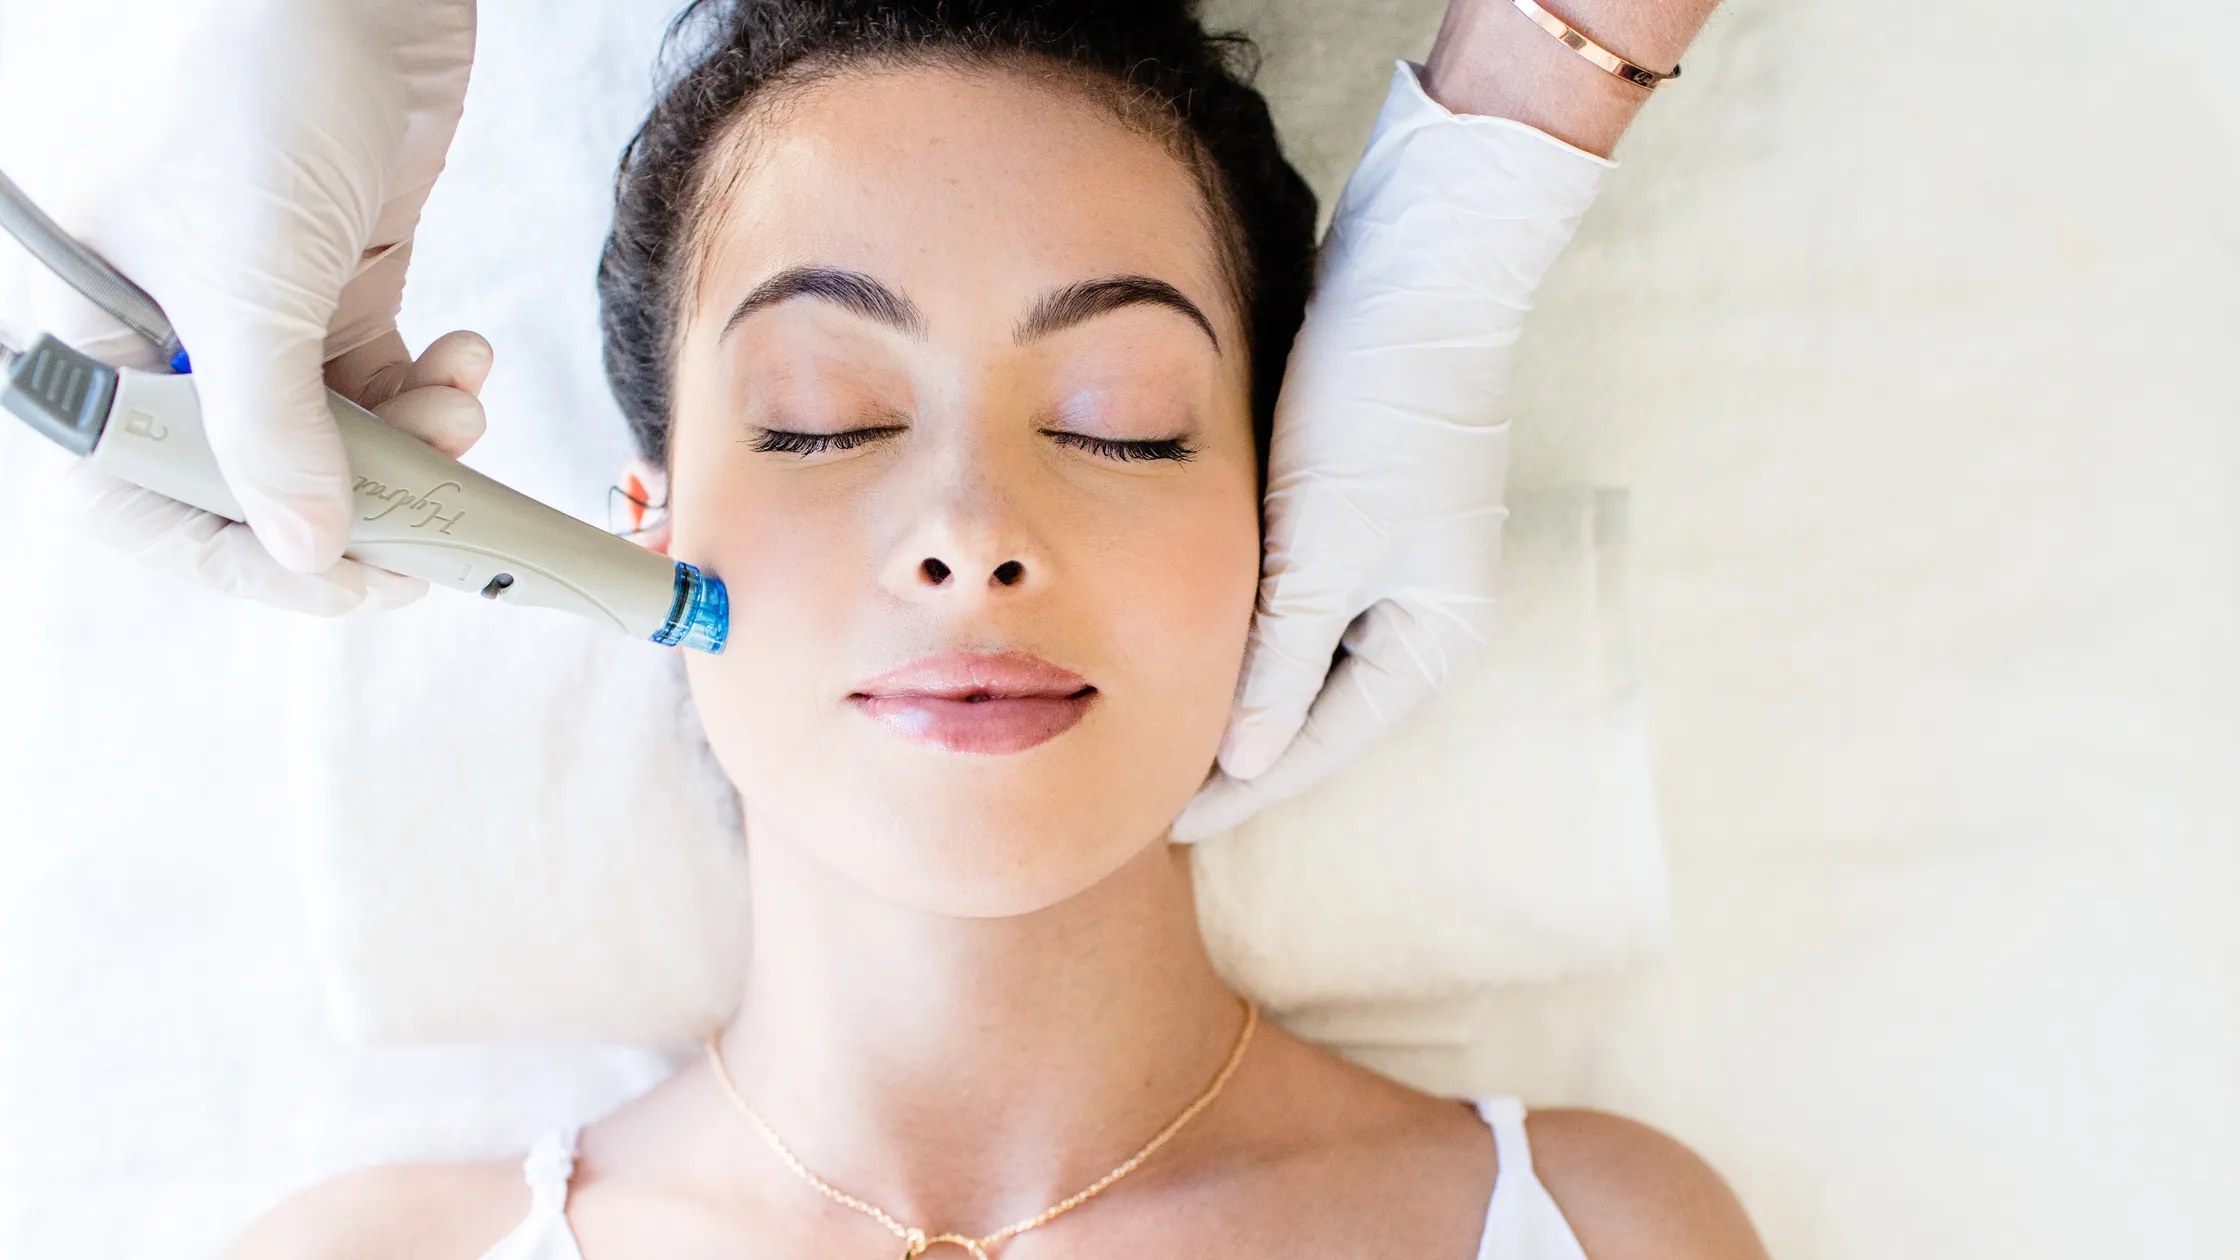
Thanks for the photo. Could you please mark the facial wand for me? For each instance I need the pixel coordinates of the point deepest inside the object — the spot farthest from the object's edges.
(415, 510)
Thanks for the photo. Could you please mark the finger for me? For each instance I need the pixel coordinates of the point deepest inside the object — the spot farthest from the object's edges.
(118, 514)
(1365, 697)
(372, 373)
(382, 368)
(1293, 639)
(1219, 806)
(228, 558)
(207, 550)
(460, 360)
(385, 590)
(441, 403)
(450, 420)
(433, 397)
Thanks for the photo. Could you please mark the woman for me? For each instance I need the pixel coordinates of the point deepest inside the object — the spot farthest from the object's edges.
(949, 334)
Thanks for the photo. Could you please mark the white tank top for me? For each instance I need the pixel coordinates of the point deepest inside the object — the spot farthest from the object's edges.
(1522, 1221)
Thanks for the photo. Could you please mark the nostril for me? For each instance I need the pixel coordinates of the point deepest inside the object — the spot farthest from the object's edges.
(1009, 572)
(935, 571)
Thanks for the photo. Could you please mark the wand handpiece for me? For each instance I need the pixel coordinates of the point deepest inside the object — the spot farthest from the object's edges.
(416, 511)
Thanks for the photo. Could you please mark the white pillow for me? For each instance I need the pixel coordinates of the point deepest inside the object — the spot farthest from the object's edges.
(518, 833)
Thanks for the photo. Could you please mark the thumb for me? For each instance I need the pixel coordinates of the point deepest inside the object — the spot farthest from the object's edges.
(264, 405)
(1366, 695)
(1294, 636)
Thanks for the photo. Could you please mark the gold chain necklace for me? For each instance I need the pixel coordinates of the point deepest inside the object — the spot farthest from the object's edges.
(916, 1241)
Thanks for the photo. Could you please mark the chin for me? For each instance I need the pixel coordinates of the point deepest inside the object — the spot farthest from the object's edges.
(981, 857)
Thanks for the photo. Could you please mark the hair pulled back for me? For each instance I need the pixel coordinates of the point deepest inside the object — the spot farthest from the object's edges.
(1155, 51)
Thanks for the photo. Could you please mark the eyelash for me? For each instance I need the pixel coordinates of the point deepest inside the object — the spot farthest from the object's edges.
(786, 442)
(1125, 451)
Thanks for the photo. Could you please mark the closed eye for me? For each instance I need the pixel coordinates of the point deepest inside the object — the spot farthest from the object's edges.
(787, 442)
(1123, 449)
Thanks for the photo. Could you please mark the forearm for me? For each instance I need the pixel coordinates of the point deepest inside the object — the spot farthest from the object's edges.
(1491, 59)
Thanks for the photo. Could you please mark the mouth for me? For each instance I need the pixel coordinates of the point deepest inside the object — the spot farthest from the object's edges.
(991, 704)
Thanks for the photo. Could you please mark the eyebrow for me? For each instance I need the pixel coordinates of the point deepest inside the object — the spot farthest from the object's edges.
(1053, 313)
(1078, 303)
(851, 290)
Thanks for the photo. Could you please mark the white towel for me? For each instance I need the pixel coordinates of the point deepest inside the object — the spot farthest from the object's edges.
(1507, 832)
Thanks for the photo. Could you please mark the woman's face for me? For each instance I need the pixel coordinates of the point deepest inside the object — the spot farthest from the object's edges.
(951, 333)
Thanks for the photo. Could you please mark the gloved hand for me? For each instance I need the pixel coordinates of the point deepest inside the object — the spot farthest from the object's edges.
(1386, 477)
(294, 143)
(434, 398)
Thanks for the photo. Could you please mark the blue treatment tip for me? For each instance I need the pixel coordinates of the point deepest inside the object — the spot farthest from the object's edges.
(701, 616)
(180, 363)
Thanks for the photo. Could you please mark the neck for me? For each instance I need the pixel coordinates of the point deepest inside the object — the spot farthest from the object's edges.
(965, 1073)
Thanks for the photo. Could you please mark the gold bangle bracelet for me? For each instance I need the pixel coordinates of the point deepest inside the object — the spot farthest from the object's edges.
(1640, 76)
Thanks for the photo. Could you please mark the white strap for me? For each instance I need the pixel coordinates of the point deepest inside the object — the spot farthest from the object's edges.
(547, 1169)
(1505, 1116)
(1523, 1221)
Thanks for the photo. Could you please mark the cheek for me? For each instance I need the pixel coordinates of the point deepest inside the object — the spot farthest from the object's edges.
(796, 567)
(1176, 586)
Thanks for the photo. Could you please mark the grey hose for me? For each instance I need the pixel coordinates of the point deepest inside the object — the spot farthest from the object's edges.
(84, 270)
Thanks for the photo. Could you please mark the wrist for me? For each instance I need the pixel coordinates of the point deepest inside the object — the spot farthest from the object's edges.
(1492, 59)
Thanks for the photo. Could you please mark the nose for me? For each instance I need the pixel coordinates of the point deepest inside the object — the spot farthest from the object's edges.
(964, 540)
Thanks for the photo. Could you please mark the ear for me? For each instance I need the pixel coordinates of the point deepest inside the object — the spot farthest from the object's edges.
(648, 489)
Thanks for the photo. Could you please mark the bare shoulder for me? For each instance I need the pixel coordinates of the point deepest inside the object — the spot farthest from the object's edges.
(393, 1212)
(1632, 1192)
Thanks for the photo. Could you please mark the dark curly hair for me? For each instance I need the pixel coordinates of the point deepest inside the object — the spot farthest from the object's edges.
(1162, 69)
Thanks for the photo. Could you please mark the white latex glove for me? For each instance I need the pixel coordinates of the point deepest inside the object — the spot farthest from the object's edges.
(1391, 444)
(271, 215)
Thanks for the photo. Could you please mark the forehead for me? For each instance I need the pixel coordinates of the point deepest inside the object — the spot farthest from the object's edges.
(971, 188)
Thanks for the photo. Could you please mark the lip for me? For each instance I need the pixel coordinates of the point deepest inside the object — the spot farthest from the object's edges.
(970, 702)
